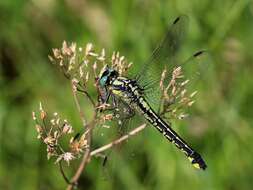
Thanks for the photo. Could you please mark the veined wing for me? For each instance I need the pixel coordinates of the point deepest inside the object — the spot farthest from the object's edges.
(165, 51)
(164, 57)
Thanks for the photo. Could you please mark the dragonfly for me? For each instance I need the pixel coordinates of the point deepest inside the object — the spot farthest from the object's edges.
(131, 92)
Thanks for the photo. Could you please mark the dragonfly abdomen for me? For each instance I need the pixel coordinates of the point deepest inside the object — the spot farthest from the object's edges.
(170, 134)
(131, 93)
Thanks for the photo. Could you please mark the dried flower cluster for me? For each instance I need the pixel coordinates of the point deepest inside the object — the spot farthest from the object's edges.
(51, 130)
(81, 66)
(120, 64)
(175, 98)
(74, 62)
(77, 64)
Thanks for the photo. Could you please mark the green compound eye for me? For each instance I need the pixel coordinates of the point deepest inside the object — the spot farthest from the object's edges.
(103, 80)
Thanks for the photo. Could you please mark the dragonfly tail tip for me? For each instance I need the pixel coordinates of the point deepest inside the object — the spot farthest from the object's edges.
(197, 161)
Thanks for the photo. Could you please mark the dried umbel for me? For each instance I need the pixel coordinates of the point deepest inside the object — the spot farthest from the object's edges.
(51, 130)
(81, 66)
(175, 97)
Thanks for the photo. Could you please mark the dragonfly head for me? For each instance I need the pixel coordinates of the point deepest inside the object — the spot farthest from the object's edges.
(107, 75)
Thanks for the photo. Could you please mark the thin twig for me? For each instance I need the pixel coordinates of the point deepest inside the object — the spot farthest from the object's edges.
(63, 173)
(86, 156)
(80, 169)
(78, 104)
(89, 128)
(88, 96)
(134, 132)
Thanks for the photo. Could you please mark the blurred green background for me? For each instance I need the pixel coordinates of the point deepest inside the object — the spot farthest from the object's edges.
(220, 127)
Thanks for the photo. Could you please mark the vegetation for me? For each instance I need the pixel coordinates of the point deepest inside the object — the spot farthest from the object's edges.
(220, 122)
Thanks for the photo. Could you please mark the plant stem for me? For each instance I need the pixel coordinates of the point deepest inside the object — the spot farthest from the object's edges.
(134, 132)
(88, 153)
(86, 156)
(63, 173)
(77, 103)
(85, 160)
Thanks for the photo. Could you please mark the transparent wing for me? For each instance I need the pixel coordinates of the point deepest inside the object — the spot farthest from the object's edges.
(165, 52)
(165, 57)
(195, 68)
(122, 113)
(193, 73)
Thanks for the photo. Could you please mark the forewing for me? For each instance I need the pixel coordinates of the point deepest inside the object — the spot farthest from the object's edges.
(165, 52)
(165, 57)
(195, 69)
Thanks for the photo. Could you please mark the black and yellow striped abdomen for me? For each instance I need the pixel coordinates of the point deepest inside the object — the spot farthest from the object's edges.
(170, 134)
(130, 92)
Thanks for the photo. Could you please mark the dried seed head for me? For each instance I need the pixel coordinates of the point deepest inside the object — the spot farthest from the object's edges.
(102, 56)
(175, 95)
(67, 157)
(87, 77)
(81, 71)
(67, 129)
(56, 133)
(38, 128)
(52, 121)
(185, 82)
(193, 94)
(57, 121)
(174, 91)
(34, 116)
(88, 49)
(41, 109)
(162, 78)
(43, 114)
(85, 62)
(129, 65)
(106, 126)
(73, 47)
(51, 152)
(49, 140)
(50, 58)
(68, 51)
(77, 146)
(57, 54)
(190, 103)
(183, 92)
(182, 116)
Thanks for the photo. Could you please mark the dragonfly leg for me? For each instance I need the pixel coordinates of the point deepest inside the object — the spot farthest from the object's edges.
(104, 101)
(105, 97)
